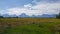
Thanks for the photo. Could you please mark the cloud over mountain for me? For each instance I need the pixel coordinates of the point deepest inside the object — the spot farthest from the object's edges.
(36, 7)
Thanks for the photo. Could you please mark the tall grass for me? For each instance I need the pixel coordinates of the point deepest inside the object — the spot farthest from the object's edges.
(29, 26)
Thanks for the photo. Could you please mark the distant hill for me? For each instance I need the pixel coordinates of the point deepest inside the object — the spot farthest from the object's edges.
(49, 16)
(23, 15)
(5, 15)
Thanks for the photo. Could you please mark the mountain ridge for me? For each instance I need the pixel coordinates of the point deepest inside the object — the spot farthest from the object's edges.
(34, 16)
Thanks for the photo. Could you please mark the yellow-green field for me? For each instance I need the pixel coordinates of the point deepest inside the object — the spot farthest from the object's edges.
(29, 26)
(29, 20)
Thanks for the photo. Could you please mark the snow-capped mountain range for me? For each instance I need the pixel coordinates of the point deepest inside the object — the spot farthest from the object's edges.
(23, 15)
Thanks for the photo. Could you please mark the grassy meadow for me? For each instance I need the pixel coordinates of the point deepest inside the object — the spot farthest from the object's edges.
(29, 26)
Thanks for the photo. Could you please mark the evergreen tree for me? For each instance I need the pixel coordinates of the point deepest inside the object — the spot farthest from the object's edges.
(58, 16)
(1, 16)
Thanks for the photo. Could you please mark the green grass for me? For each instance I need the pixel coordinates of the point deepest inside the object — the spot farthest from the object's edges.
(29, 26)
(29, 29)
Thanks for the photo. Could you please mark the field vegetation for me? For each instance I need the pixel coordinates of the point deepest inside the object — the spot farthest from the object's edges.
(29, 26)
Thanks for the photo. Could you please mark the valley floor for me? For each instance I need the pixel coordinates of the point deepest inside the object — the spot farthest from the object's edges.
(29, 26)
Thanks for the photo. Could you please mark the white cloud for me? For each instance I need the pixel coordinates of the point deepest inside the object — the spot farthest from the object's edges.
(28, 5)
(18, 11)
(48, 8)
(38, 9)
(46, 1)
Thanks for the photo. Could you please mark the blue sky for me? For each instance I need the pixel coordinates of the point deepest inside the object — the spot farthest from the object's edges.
(13, 3)
(30, 7)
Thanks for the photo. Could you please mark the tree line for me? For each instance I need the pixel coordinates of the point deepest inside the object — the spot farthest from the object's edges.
(1, 17)
(8, 17)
